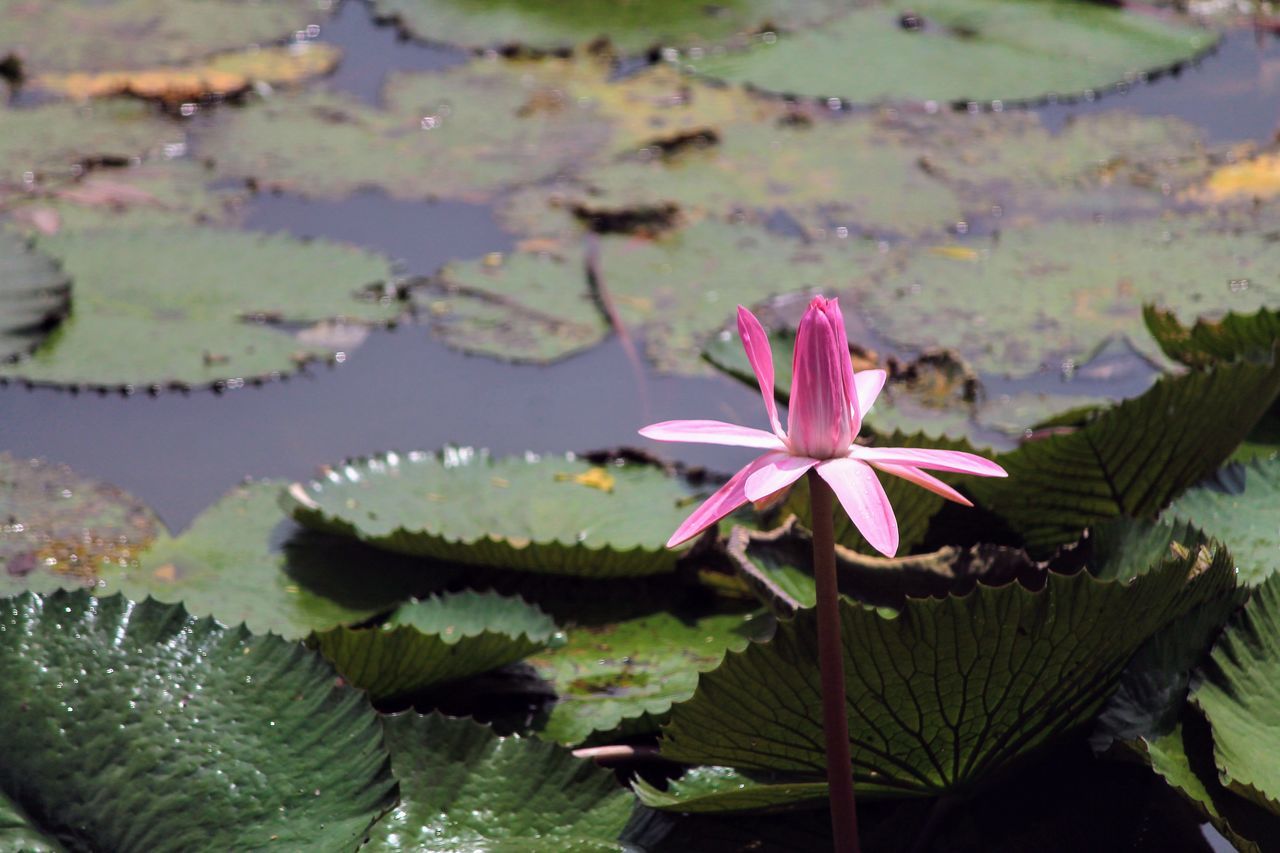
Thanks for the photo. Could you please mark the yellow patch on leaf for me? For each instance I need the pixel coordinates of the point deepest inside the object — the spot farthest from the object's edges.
(595, 478)
(957, 253)
(1258, 177)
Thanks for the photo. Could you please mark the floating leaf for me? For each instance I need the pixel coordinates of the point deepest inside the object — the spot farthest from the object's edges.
(436, 640)
(85, 35)
(35, 296)
(720, 790)
(1131, 460)
(1240, 694)
(135, 727)
(629, 674)
(948, 691)
(58, 527)
(1237, 505)
(462, 788)
(133, 326)
(514, 512)
(634, 27)
(1212, 341)
(962, 50)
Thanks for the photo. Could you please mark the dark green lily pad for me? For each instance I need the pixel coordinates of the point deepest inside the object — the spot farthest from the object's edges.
(1237, 505)
(1210, 342)
(963, 50)
(135, 727)
(629, 674)
(948, 691)
(633, 27)
(723, 790)
(555, 514)
(436, 640)
(465, 133)
(50, 141)
(35, 295)
(84, 35)
(1079, 284)
(1121, 464)
(463, 789)
(1240, 695)
(133, 325)
(57, 527)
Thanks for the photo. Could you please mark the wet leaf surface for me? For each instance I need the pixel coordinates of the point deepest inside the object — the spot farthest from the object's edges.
(1237, 506)
(35, 296)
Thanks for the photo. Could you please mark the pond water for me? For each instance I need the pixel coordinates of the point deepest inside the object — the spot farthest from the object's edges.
(403, 389)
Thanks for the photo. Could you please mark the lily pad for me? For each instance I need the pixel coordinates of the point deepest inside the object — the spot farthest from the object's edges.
(1209, 342)
(35, 295)
(948, 691)
(132, 325)
(1237, 505)
(55, 140)
(554, 514)
(182, 733)
(963, 50)
(633, 28)
(1078, 285)
(436, 640)
(1239, 695)
(463, 788)
(465, 133)
(219, 76)
(85, 35)
(60, 525)
(1118, 465)
(723, 790)
(629, 674)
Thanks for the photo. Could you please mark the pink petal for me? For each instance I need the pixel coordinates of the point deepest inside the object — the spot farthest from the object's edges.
(863, 498)
(756, 344)
(712, 432)
(729, 497)
(822, 417)
(867, 385)
(781, 470)
(928, 481)
(847, 379)
(937, 460)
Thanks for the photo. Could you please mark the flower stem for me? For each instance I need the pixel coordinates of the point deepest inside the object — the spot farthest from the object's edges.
(835, 726)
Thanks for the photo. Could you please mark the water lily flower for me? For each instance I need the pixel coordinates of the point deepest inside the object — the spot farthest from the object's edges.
(828, 401)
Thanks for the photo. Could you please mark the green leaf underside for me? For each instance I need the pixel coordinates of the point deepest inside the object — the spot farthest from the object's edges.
(723, 790)
(62, 528)
(180, 733)
(1209, 342)
(35, 295)
(132, 324)
(1237, 504)
(436, 640)
(1240, 696)
(1131, 460)
(84, 35)
(226, 566)
(464, 789)
(966, 50)
(948, 691)
(533, 513)
(629, 674)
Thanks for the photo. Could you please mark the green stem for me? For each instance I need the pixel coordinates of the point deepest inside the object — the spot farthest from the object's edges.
(835, 725)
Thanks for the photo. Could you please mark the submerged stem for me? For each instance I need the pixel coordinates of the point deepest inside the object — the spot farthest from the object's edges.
(835, 726)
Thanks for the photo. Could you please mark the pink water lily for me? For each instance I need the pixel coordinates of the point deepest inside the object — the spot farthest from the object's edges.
(828, 401)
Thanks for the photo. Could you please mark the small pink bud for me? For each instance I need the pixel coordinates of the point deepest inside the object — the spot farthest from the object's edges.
(823, 418)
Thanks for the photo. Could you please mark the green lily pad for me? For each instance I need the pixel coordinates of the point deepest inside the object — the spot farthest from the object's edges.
(133, 326)
(946, 692)
(962, 50)
(180, 733)
(464, 133)
(628, 675)
(51, 141)
(84, 35)
(555, 514)
(463, 788)
(35, 295)
(436, 640)
(1212, 341)
(1121, 464)
(59, 527)
(1079, 284)
(633, 27)
(721, 790)
(1239, 695)
(1237, 505)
